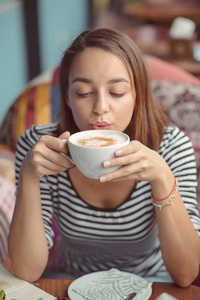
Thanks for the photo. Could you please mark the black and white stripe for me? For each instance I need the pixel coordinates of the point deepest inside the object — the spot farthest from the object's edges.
(126, 237)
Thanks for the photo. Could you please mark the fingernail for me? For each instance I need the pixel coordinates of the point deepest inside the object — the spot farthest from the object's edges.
(107, 163)
(103, 178)
(119, 152)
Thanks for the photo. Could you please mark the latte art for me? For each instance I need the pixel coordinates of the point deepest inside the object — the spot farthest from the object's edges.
(98, 141)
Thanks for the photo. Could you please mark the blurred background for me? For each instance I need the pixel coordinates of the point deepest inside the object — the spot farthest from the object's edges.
(34, 34)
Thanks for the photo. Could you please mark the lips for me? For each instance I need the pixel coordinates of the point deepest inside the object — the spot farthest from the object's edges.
(100, 125)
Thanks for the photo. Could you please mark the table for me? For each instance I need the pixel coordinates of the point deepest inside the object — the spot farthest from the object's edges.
(162, 14)
(58, 287)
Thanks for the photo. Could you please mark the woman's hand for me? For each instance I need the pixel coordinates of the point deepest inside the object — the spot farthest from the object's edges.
(137, 162)
(45, 157)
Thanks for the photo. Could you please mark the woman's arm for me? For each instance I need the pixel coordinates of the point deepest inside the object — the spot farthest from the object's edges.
(180, 243)
(27, 240)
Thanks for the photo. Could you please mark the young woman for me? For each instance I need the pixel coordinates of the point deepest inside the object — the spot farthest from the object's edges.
(142, 218)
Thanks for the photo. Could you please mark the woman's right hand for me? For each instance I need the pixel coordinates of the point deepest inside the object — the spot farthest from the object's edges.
(45, 157)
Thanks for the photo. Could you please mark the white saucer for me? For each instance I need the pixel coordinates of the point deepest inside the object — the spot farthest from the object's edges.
(109, 285)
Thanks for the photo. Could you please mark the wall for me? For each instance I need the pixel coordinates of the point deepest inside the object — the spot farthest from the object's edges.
(13, 70)
(59, 22)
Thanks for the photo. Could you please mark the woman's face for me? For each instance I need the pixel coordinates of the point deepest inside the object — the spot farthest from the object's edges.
(100, 93)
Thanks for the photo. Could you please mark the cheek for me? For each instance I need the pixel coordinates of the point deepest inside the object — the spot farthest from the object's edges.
(79, 113)
(124, 114)
(127, 109)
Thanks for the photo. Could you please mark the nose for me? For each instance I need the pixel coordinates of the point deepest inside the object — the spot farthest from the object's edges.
(101, 104)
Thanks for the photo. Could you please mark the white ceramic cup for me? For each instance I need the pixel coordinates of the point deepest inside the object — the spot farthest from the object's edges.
(89, 159)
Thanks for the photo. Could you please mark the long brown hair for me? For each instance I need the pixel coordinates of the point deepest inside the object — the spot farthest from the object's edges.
(148, 120)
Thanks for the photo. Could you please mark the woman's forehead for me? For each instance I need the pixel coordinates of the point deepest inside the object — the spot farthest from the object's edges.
(98, 62)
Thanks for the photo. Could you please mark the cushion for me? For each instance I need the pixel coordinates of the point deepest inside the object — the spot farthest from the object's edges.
(181, 102)
(38, 104)
(7, 202)
(195, 139)
(162, 70)
(7, 164)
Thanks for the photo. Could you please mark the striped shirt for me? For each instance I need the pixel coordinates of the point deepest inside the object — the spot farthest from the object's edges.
(126, 237)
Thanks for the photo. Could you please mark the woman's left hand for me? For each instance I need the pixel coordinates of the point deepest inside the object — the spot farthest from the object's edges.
(137, 162)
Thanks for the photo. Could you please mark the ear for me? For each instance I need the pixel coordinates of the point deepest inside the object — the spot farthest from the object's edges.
(67, 101)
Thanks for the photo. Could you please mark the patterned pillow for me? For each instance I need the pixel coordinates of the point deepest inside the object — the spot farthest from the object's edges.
(181, 102)
(195, 139)
(38, 104)
(7, 202)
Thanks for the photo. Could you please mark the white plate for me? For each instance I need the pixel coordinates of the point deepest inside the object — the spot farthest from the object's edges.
(109, 285)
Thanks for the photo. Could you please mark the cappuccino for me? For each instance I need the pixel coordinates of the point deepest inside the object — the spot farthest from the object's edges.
(90, 148)
(98, 141)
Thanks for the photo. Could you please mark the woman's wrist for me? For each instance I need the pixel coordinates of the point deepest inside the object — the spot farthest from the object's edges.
(163, 187)
(26, 176)
(168, 195)
(166, 201)
(27, 170)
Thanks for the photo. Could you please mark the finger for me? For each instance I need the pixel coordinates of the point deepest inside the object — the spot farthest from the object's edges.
(64, 135)
(137, 171)
(124, 160)
(132, 147)
(120, 173)
(52, 143)
(42, 152)
(57, 159)
(128, 155)
(51, 166)
(42, 171)
(48, 166)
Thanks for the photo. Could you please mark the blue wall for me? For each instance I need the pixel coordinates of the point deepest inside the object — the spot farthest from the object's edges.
(59, 22)
(13, 69)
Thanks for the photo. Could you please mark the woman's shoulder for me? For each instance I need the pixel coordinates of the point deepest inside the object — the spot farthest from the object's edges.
(174, 134)
(44, 129)
(174, 138)
(34, 133)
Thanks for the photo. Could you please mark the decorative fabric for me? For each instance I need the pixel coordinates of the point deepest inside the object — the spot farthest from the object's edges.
(38, 104)
(161, 70)
(7, 202)
(181, 102)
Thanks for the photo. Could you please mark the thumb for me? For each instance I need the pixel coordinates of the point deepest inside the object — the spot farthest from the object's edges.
(64, 135)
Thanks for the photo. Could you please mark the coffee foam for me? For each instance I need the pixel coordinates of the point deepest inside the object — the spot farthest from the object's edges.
(98, 141)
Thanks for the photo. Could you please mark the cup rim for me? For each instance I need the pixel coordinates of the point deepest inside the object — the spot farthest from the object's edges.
(100, 131)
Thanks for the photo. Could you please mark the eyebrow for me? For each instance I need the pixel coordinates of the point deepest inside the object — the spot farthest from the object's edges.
(81, 79)
(116, 80)
(86, 80)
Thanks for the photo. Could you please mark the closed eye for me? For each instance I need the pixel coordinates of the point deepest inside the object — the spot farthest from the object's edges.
(117, 95)
(83, 94)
